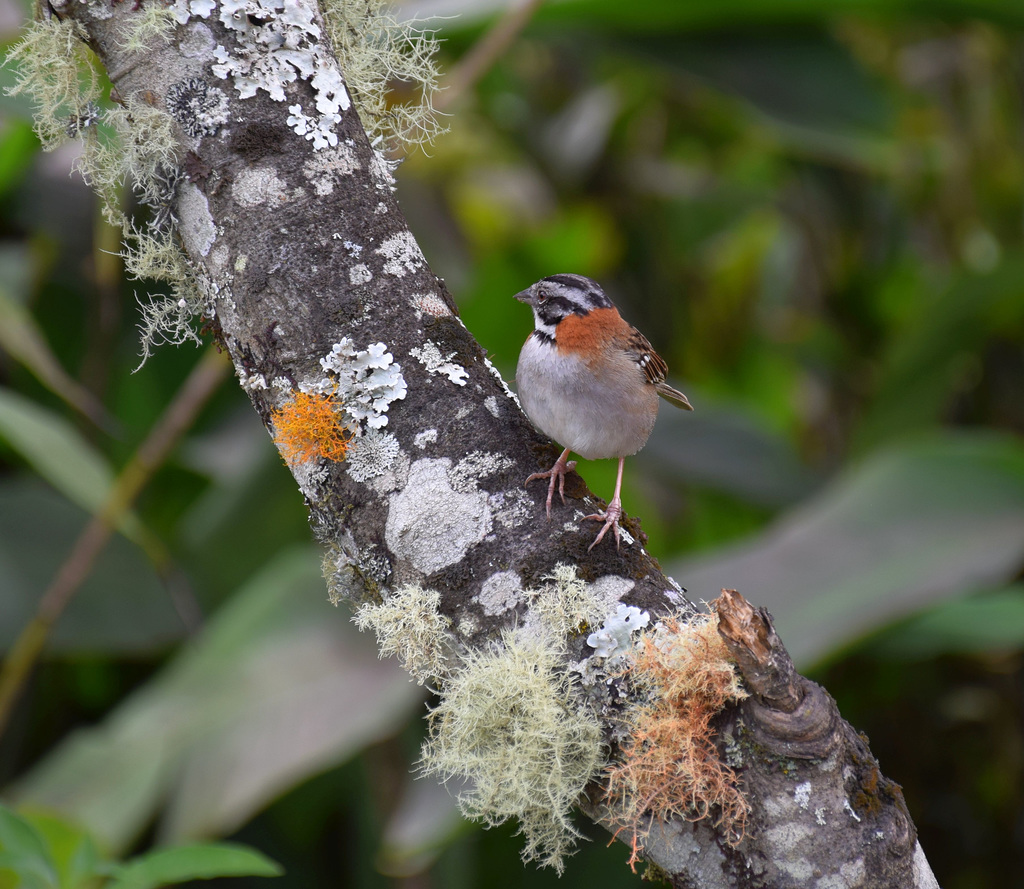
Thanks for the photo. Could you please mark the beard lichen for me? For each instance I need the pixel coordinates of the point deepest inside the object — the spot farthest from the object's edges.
(409, 625)
(511, 725)
(669, 766)
(132, 142)
(375, 51)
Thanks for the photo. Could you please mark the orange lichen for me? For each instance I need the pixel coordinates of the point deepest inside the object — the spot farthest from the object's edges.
(670, 766)
(309, 426)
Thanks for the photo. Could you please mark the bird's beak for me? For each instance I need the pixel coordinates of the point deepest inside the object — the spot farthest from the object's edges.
(526, 296)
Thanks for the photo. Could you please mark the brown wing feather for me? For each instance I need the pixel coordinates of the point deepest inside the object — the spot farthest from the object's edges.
(654, 369)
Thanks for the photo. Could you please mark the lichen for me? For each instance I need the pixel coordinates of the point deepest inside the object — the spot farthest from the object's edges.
(200, 108)
(566, 603)
(367, 381)
(669, 766)
(409, 625)
(511, 725)
(376, 51)
(431, 524)
(615, 638)
(401, 255)
(311, 426)
(429, 304)
(277, 44)
(132, 142)
(375, 454)
(429, 355)
(466, 474)
(54, 69)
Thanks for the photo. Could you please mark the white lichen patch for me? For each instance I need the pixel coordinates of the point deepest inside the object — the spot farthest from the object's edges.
(611, 588)
(409, 625)
(615, 637)
(512, 509)
(198, 41)
(429, 355)
(326, 168)
(422, 439)
(429, 304)
(474, 466)
(359, 274)
(500, 593)
(802, 794)
(277, 44)
(372, 455)
(430, 523)
(254, 186)
(491, 403)
(366, 382)
(497, 375)
(401, 255)
(197, 227)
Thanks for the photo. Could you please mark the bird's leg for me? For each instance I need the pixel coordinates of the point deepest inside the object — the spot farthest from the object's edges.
(610, 516)
(557, 474)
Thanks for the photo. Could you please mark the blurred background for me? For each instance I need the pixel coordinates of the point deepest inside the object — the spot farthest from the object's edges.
(814, 210)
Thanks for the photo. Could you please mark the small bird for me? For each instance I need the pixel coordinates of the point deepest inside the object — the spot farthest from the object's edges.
(588, 380)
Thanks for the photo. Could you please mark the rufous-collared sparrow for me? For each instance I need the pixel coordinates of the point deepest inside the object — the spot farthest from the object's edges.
(588, 380)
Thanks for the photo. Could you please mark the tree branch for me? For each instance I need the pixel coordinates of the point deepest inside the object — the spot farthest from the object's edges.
(293, 237)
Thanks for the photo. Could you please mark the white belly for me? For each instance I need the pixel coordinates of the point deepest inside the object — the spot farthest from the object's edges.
(592, 416)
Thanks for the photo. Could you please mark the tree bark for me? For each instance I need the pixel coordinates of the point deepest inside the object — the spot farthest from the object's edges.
(297, 248)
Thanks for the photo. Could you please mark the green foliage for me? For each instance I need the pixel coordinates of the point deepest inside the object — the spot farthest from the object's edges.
(40, 852)
(811, 207)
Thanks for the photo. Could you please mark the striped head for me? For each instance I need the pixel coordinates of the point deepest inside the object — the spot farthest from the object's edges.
(558, 296)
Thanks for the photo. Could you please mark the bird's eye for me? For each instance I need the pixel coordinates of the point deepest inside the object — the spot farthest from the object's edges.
(542, 296)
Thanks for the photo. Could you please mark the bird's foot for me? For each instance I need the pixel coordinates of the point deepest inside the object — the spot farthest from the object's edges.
(557, 475)
(610, 517)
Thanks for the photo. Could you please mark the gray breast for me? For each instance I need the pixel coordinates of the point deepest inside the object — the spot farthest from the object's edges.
(610, 415)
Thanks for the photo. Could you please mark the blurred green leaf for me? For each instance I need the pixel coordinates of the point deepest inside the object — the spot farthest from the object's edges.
(202, 861)
(985, 623)
(24, 851)
(903, 530)
(55, 449)
(920, 374)
(72, 850)
(655, 15)
(18, 149)
(121, 608)
(729, 450)
(21, 337)
(279, 687)
(769, 70)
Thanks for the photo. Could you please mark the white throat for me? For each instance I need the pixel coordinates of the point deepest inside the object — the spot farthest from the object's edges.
(547, 329)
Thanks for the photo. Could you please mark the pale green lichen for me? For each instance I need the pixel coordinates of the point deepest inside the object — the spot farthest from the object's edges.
(409, 625)
(567, 603)
(151, 23)
(511, 725)
(52, 67)
(130, 143)
(375, 50)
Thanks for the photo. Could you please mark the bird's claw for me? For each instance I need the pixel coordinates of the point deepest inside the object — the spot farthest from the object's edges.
(557, 475)
(610, 517)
